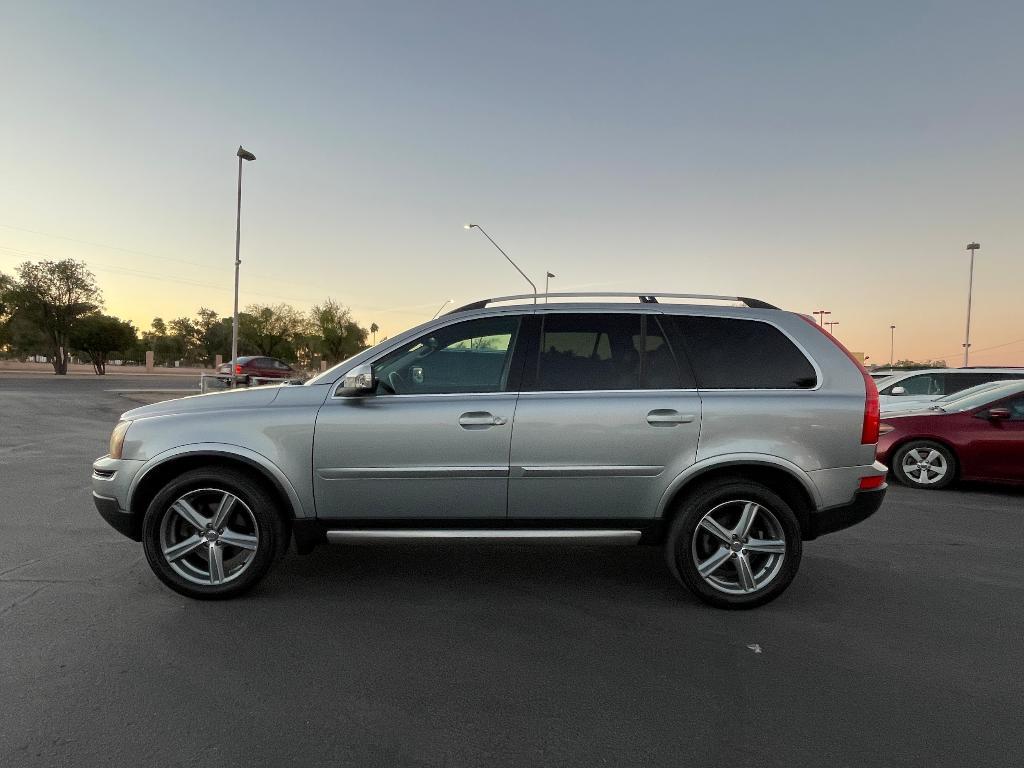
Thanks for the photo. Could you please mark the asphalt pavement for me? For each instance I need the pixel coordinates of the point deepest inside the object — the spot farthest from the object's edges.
(899, 643)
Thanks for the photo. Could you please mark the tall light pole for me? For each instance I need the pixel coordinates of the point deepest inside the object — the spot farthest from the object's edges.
(831, 326)
(972, 247)
(242, 155)
(821, 315)
(546, 279)
(892, 344)
(442, 307)
(477, 226)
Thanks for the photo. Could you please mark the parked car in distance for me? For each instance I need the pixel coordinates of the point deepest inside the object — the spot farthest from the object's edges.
(895, 407)
(252, 367)
(729, 435)
(931, 384)
(979, 437)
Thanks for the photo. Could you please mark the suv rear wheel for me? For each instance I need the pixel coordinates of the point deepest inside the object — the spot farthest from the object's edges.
(735, 544)
(211, 534)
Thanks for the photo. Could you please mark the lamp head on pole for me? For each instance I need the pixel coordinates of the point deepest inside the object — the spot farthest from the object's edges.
(245, 154)
(468, 226)
(973, 246)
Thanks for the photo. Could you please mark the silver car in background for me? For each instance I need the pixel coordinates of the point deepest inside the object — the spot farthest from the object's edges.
(727, 434)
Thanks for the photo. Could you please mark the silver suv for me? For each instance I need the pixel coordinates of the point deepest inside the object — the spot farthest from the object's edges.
(728, 434)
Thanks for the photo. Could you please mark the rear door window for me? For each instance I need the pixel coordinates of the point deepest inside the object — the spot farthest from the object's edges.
(731, 353)
(592, 351)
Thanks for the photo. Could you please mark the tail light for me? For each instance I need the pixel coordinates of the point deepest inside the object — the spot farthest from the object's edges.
(238, 369)
(872, 416)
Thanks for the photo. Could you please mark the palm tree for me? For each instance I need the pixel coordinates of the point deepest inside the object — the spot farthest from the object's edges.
(373, 329)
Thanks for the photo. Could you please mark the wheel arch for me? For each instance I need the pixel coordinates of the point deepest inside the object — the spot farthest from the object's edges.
(162, 468)
(788, 481)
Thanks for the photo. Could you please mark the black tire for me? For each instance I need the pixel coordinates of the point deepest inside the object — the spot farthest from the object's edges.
(943, 466)
(727, 500)
(256, 517)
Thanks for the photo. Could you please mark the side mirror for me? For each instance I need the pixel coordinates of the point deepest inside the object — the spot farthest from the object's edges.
(358, 381)
(998, 414)
(899, 390)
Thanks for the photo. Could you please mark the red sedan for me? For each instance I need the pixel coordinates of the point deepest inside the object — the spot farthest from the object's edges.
(249, 367)
(979, 437)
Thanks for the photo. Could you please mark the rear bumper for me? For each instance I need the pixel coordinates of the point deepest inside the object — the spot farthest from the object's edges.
(863, 506)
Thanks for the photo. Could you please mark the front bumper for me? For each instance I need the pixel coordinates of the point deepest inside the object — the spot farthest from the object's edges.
(863, 506)
(111, 483)
(121, 521)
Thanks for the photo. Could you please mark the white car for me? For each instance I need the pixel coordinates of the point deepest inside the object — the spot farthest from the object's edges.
(923, 386)
(901, 407)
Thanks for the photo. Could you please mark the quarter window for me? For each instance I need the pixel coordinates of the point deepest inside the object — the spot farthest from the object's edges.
(472, 356)
(729, 353)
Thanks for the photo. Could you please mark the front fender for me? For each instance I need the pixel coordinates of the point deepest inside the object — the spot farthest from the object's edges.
(247, 455)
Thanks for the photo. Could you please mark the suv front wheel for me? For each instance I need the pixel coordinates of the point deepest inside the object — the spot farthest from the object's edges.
(211, 534)
(735, 544)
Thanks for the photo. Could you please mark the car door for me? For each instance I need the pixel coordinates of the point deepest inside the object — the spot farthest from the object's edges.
(997, 445)
(433, 440)
(605, 420)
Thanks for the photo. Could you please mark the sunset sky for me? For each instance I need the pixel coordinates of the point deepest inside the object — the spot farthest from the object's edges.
(816, 155)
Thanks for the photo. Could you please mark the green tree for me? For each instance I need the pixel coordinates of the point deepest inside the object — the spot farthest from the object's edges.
(273, 331)
(373, 329)
(340, 336)
(97, 336)
(52, 296)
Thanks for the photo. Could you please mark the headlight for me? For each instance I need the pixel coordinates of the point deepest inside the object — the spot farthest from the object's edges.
(117, 439)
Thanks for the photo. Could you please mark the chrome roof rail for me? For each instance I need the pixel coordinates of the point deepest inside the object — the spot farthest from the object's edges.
(643, 298)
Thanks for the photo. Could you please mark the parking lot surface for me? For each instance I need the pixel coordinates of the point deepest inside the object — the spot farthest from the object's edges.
(899, 643)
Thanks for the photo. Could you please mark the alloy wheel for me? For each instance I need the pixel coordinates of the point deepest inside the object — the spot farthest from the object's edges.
(738, 547)
(209, 536)
(924, 466)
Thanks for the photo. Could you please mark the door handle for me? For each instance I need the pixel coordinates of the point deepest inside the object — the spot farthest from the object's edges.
(480, 419)
(668, 417)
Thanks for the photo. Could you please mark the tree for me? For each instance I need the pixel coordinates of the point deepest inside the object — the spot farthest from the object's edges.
(373, 329)
(272, 330)
(98, 335)
(52, 296)
(340, 335)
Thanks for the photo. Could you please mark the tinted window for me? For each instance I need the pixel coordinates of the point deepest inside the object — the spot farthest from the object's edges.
(471, 356)
(1016, 407)
(921, 384)
(957, 382)
(604, 351)
(729, 353)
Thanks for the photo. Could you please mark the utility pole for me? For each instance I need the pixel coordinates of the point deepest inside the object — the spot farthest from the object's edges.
(892, 344)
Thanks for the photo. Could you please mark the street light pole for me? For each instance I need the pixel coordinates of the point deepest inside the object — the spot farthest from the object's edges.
(821, 315)
(972, 247)
(892, 344)
(548, 277)
(831, 327)
(507, 257)
(242, 155)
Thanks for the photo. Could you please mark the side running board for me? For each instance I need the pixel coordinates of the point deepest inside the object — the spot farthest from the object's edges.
(567, 536)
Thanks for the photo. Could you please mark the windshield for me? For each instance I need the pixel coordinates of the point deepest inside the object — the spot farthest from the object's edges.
(967, 402)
